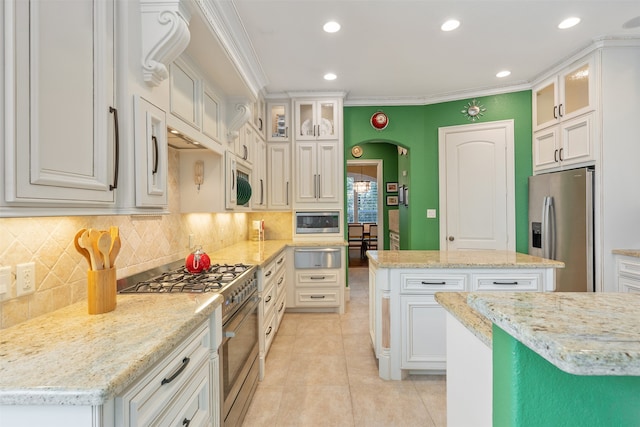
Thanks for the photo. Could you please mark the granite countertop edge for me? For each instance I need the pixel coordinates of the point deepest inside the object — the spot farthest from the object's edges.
(456, 304)
(434, 259)
(627, 252)
(573, 331)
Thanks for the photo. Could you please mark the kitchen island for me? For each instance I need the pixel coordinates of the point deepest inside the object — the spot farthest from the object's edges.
(560, 358)
(407, 325)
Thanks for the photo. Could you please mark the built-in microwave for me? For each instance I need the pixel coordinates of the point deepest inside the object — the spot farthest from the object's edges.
(318, 222)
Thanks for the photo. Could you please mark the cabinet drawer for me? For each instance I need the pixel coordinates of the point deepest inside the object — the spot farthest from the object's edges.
(270, 331)
(431, 283)
(510, 282)
(280, 261)
(150, 396)
(268, 273)
(191, 406)
(317, 298)
(629, 268)
(318, 278)
(626, 284)
(269, 300)
(280, 282)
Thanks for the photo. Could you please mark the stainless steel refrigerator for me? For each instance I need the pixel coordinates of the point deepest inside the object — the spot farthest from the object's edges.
(561, 225)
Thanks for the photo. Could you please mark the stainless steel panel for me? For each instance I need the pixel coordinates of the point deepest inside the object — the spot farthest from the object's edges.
(317, 258)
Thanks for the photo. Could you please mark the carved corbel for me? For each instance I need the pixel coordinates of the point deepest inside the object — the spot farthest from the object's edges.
(242, 114)
(165, 35)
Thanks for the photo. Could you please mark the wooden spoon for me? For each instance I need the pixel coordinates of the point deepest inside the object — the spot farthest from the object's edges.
(85, 243)
(104, 246)
(80, 249)
(94, 235)
(115, 250)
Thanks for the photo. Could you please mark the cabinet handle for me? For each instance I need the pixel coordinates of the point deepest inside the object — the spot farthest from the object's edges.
(185, 362)
(286, 132)
(268, 273)
(317, 277)
(268, 331)
(319, 179)
(280, 261)
(555, 156)
(560, 154)
(433, 283)
(555, 111)
(315, 186)
(186, 422)
(280, 281)
(261, 191)
(281, 307)
(268, 299)
(155, 155)
(260, 125)
(560, 113)
(246, 152)
(117, 149)
(287, 197)
(317, 296)
(505, 283)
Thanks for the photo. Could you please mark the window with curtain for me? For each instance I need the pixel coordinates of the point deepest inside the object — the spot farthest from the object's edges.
(362, 207)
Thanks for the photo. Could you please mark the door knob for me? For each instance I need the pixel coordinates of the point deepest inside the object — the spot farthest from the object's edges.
(451, 238)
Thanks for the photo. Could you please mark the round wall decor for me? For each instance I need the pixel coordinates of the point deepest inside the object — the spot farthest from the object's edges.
(356, 151)
(379, 120)
(473, 111)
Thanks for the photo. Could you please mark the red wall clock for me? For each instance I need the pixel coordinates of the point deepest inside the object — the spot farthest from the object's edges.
(379, 120)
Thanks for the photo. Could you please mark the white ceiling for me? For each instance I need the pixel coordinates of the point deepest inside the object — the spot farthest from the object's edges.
(393, 51)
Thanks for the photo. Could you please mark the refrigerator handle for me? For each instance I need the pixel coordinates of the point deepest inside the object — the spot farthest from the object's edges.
(548, 229)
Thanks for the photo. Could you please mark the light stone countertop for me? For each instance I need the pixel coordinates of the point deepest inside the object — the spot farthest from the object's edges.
(458, 259)
(456, 304)
(69, 357)
(579, 333)
(628, 252)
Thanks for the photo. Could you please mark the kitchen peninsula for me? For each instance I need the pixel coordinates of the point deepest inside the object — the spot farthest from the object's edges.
(558, 358)
(407, 325)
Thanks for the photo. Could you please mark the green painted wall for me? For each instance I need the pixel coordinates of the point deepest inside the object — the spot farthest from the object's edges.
(416, 128)
(389, 155)
(530, 391)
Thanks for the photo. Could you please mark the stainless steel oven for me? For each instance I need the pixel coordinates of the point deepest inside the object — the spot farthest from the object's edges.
(318, 222)
(238, 359)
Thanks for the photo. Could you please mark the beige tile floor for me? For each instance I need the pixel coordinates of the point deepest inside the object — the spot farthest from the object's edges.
(321, 371)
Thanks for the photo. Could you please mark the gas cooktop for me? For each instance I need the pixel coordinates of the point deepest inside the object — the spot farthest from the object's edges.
(175, 278)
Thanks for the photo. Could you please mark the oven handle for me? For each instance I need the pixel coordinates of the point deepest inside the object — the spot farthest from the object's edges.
(229, 330)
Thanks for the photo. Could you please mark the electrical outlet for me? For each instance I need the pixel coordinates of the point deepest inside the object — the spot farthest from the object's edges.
(5, 279)
(25, 278)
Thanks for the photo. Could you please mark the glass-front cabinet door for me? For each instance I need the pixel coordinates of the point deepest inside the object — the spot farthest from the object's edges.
(565, 95)
(316, 119)
(278, 121)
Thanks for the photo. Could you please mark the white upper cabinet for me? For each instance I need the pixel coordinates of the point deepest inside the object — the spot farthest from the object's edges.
(565, 95)
(185, 94)
(279, 176)
(62, 143)
(278, 121)
(318, 172)
(211, 115)
(151, 154)
(317, 119)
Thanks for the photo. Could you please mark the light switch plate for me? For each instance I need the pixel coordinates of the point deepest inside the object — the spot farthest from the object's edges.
(5, 279)
(431, 213)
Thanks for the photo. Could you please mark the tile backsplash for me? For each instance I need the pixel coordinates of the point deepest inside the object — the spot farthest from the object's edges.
(147, 241)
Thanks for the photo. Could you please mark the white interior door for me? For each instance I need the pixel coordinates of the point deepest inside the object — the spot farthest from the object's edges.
(477, 203)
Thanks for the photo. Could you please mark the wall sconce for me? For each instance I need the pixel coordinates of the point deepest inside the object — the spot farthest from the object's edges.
(198, 173)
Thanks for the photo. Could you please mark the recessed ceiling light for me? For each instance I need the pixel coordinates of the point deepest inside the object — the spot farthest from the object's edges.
(569, 22)
(503, 73)
(331, 27)
(330, 76)
(450, 25)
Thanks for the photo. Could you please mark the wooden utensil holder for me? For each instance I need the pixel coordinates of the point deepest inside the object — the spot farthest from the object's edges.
(101, 290)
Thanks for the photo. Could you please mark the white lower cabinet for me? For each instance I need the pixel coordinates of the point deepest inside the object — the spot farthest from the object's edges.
(178, 386)
(271, 291)
(628, 273)
(423, 326)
